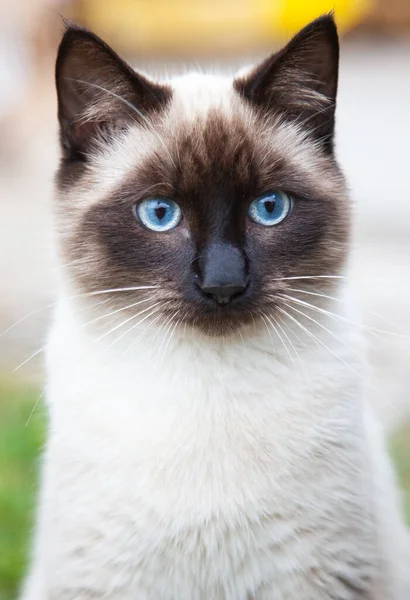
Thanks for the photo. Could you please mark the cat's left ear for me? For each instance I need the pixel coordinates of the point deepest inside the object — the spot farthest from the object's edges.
(300, 81)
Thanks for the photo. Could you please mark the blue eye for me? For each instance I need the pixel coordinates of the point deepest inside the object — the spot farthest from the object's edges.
(158, 214)
(270, 209)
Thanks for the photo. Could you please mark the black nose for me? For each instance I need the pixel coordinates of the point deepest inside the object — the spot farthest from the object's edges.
(222, 294)
(222, 272)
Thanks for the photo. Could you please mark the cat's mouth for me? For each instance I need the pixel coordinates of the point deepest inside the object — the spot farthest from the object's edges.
(222, 322)
(216, 314)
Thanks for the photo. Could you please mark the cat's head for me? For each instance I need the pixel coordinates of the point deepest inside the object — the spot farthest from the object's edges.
(214, 192)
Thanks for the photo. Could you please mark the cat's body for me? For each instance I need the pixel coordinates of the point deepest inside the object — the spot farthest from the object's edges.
(189, 480)
(183, 464)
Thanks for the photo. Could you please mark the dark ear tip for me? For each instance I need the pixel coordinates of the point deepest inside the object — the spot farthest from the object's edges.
(323, 27)
(73, 32)
(325, 23)
(327, 19)
(73, 36)
(66, 23)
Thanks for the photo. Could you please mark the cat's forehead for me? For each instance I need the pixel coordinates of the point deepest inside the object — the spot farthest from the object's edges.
(196, 93)
(205, 121)
(207, 127)
(207, 130)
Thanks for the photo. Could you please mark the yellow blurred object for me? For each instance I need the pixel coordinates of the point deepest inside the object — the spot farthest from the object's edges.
(296, 13)
(210, 25)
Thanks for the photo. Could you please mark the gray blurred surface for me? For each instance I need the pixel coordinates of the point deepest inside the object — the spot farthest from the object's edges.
(373, 147)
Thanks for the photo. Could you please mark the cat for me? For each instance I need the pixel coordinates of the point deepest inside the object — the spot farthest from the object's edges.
(209, 436)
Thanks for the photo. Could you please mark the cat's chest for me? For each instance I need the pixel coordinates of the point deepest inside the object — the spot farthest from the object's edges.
(203, 519)
(198, 469)
(203, 434)
(201, 478)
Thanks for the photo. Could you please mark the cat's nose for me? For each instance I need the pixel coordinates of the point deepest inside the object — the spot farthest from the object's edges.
(222, 273)
(222, 294)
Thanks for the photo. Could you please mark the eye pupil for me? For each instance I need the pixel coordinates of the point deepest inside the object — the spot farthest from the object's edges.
(160, 212)
(270, 209)
(270, 206)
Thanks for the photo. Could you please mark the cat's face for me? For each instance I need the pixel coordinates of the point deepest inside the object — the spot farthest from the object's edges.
(211, 192)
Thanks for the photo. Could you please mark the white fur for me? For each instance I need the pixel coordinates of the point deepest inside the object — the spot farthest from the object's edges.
(217, 471)
(194, 468)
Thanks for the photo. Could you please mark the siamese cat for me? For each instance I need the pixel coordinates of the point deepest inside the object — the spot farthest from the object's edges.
(209, 437)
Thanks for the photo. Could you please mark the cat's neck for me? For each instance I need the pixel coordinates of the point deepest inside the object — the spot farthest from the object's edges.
(178, 362)
(190, 392)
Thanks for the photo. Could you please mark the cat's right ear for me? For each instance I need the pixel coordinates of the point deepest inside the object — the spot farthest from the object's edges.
(98, 93)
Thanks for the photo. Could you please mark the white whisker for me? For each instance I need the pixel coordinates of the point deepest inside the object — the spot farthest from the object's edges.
(29, 358)
(34, 407)
(30, 314)
(300, 361)
(308, 305)
(53, 304)
(134, 325)
(115, 290)
(172, 331)
(322, 327)
(371, 329)
(287, 337)
(94, 306)
(281, 339)
(299, 339)
(114, 312)
(309, 277)
(320, 295)
(168, 329)
(162, 324)
(124, 323)
(319, 341)
(134, 342)
(269, 333)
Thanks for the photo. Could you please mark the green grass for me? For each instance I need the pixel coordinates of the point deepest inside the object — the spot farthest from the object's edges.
(400, 449)
(20, 447)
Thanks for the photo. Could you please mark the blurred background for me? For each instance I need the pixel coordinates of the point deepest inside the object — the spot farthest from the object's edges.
(167, 36)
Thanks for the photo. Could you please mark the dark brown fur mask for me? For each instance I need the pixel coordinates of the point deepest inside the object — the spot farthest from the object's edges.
(211, 191)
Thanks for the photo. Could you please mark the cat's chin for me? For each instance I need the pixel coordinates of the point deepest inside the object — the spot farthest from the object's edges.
(220, 325)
